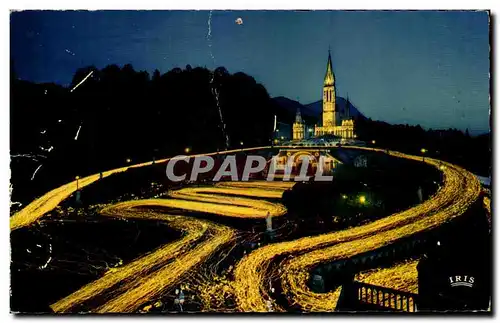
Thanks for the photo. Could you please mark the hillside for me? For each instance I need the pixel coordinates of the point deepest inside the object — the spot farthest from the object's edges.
(311, 112)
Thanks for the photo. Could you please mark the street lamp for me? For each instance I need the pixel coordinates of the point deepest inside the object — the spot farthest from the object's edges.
(128, 160)
(362, 199)
(187, 150)
(423, 151)
(374, 142)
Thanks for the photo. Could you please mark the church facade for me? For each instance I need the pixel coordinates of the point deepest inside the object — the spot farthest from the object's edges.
(298, 128)
(334, 123)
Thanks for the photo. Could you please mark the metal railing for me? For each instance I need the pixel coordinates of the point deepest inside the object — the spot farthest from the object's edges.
(386, 298)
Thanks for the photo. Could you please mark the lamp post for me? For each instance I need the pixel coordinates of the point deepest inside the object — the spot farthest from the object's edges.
(77, 197)
(423, 151)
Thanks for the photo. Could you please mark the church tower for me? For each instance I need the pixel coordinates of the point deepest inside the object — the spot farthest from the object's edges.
(330, 115)
(334, 123)
(298, 127)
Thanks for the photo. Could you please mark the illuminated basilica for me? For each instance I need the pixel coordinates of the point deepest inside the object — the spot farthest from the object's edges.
(298, 127)
(333, 122)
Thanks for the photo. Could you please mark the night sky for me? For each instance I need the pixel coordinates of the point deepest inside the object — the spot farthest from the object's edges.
(428, 68)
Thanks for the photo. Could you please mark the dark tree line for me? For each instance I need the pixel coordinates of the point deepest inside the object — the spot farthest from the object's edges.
(453, 145)
(124, 114)
(127, 114)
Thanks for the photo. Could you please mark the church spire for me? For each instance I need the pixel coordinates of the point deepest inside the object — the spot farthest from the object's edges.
(298, 116)
(329, 77)
(348, 108)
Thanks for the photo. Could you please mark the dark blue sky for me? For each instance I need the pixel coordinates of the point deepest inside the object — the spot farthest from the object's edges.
(428, 68)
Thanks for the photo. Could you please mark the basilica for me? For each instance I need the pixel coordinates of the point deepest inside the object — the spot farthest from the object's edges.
(333, 122)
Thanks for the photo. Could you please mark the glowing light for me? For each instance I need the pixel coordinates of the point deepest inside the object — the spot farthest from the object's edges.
(374, 142)
(253, 272)
(459, 191)
(36, 170)
(78, 132)
(140, 284)
(362, 199)
(49, 201)
(423, 150)
(344, 196)
(84, 79)
(187, 150)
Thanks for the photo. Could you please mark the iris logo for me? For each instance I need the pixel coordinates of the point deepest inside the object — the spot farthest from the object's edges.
(464, 280)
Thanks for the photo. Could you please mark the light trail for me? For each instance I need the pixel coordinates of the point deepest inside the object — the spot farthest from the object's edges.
(459, 191)
(487, 204)
(138, 279)
(252, 274)
(36, 170)
(153, 285)
(402, 276)
(268, 185)
(78, 132)
(30, 156)
(211, 200)
(81, 82)
(49, 201)
(143, 283)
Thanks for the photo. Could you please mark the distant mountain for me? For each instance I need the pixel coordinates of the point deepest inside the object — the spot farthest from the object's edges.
(317, 108)
(311, 112)
(288, 108)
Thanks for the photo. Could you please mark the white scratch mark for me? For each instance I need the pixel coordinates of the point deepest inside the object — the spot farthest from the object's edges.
(33, 157)
(215, 91)
(48, 260)
(11, 188)
(69, 52)
(36, 170)
(47, 149)
(78, 132)
(84, 79)
(209, 36)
